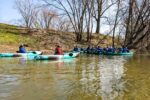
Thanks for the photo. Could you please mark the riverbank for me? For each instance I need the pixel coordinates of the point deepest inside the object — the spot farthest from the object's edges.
(12, 36)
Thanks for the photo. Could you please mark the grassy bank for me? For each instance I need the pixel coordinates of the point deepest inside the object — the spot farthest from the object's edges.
(11, 36)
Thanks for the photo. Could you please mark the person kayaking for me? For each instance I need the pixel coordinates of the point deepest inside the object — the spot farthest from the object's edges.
(99, 50)
(92, 50)
(88, 49)
(22, 49)
(125, 49)
(58, 50)
(76, 49)
(119, 50)
(111, 49)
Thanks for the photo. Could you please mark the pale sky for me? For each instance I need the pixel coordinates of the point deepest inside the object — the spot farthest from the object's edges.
(8, 13)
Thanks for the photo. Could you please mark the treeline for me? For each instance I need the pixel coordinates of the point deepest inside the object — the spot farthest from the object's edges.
(125, 18)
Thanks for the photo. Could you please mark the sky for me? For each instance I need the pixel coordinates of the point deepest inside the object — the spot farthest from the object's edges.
(8, 13)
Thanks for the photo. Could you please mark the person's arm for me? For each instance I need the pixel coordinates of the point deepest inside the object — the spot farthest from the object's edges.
(24, 50)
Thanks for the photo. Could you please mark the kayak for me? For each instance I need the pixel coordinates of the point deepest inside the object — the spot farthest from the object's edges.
(17, 54)
(29, 53)
(35, 52)
(116, 53)
(57, 57)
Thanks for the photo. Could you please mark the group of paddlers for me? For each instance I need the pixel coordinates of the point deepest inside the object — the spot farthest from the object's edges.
(100, 50)
(89, 50)
(57, 51)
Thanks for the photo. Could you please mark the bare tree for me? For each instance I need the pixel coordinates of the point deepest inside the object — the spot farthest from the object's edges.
(74, 10)
(115, 23)
(45, 18)
(63, 25)
(138, 24)
(115, 20)
(100, 7)
(48, 16)
(89, 18)
(28, 12)
(129, 20)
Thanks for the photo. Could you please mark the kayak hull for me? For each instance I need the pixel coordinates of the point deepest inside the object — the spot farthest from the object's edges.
(30, 53)
(118, 54)
(56, 57)
(35, 52)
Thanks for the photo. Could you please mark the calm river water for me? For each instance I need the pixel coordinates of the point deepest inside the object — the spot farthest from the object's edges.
(84, 78)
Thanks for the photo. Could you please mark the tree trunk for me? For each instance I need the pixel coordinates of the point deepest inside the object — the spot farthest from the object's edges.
(128, 33)
(78, 37)
(98, 25)
(98, 19)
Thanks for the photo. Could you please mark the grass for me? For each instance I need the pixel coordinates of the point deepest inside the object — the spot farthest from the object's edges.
(9, 34)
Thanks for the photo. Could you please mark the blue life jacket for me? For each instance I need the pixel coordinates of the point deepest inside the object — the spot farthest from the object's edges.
(100, 50)
(125, 50)
(92, 50)
(88, 49)
(120, 50)
(75, 49)
(22, 50)
(81, 49)
(110, 50)
(105, 49)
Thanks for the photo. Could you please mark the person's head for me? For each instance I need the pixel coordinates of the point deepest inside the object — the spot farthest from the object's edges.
(58, 46)
(25, 45)
(21, 46)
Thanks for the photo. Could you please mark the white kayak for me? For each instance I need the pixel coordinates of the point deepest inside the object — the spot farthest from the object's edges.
(57, 57)
(28, 54)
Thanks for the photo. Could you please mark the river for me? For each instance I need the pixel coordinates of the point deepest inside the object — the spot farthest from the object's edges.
(88, 77)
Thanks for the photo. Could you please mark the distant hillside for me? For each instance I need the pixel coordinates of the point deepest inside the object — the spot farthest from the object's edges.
(11, 35)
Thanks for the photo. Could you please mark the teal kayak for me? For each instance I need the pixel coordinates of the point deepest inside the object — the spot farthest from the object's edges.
(68, 55)
(30, 53)
(35, 52)
(118, 54)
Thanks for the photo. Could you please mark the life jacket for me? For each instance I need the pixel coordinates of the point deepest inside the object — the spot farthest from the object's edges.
(58, 51)
(22, 50)
(125, 50)
(75, 49)
(88, 49)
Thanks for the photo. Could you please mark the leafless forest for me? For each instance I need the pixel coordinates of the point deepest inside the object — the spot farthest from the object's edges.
(128, 19)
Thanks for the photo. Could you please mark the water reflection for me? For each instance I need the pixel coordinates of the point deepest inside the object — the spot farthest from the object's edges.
(8, 84)
(104, 78)
(111, 77)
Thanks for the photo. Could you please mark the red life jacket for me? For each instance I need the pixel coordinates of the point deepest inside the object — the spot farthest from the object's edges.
(59, 52)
